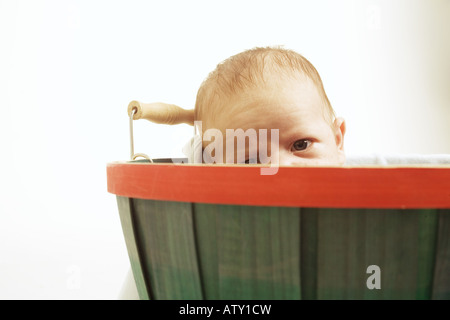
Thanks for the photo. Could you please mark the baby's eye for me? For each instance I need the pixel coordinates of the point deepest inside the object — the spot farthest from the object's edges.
(300, 145)
(248, 161)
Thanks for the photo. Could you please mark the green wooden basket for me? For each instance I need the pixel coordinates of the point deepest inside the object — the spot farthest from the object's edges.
(228, 232)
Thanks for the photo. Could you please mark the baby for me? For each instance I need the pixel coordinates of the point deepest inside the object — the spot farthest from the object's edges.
(273, 96)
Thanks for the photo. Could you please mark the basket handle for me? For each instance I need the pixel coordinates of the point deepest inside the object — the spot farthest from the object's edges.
(161, 113)
(157, 112)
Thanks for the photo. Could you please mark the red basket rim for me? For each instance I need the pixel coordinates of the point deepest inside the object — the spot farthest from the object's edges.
(322, 187)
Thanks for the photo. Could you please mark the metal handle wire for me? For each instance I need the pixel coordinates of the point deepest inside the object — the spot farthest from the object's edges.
(133, 155)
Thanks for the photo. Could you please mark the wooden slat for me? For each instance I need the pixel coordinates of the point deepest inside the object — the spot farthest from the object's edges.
(428, 224)
(309, 255)
(400, 242)
(249, 252)
(126, 220)
(441, 284)
(165, 234)
(205, 221)
(337, 235)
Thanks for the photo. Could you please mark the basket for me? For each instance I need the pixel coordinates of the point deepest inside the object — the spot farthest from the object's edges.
(227, 232)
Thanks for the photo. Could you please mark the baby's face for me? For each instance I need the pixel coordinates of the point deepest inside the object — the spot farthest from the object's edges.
(295, 108)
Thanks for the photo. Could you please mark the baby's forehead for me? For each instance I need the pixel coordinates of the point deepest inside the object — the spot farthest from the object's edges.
(268, 109)
(275, 95)
(275, 91)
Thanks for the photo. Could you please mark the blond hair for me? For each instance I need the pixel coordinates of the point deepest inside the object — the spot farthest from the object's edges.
(246, 70)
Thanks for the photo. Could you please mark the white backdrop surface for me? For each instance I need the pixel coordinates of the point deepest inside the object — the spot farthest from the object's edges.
(69, 68)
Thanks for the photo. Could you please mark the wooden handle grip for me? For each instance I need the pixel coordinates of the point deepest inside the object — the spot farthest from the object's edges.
(161, 113)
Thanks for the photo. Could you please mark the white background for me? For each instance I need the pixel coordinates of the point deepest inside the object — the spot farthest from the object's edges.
(69, 68)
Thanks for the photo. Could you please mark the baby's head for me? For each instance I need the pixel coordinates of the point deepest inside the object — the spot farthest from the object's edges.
(273, 88)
